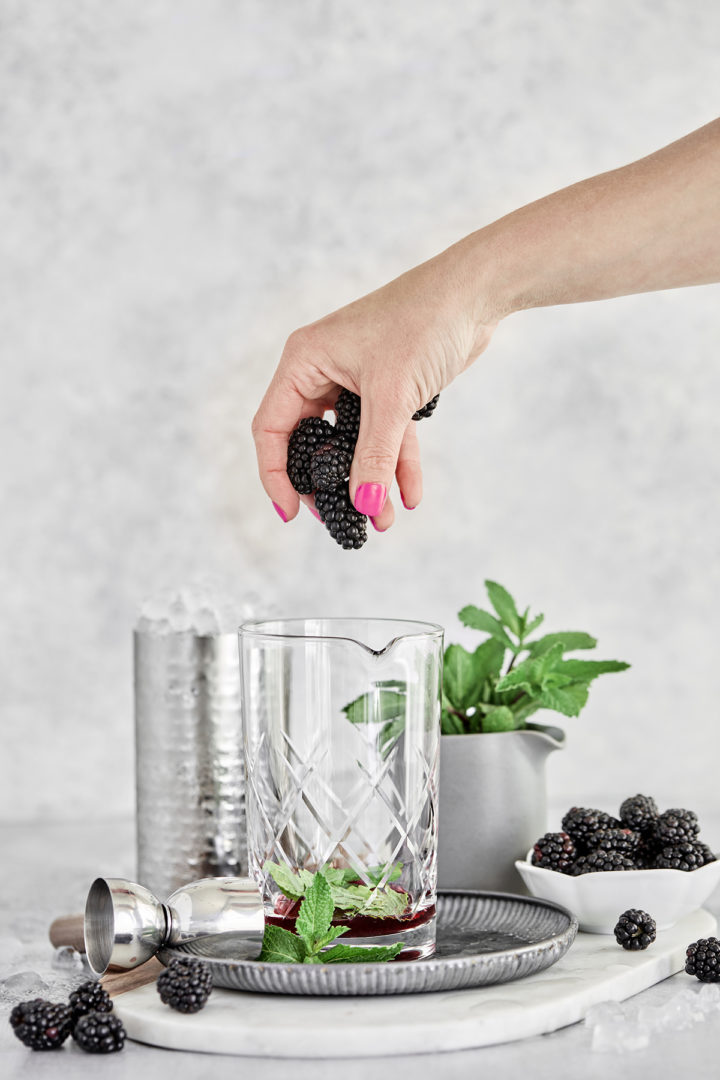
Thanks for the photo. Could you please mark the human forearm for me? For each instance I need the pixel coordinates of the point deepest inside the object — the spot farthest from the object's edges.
(654, 224)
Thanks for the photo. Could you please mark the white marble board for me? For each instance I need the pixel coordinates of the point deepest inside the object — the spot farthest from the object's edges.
(233, 1022)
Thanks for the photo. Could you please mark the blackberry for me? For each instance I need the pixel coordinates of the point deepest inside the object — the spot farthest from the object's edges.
(639, 813)
(311, 432)
(99, 1033)
(554, 851)
(703, 959)
(427, 410)
(580, 823)
(185, 984)
(40, 1024)
(346, 525)
(596, 862)
(625, 841)
(90, 997)
(646, 853)
(635, 929)
(329, 466)
(688, 855)
(347, 408)
(675, 826)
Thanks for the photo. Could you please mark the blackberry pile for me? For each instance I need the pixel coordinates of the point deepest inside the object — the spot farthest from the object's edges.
(318, 462)
(88, 1017)
(639, 838)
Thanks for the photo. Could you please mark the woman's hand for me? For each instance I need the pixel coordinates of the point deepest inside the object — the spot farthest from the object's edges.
(396, 348)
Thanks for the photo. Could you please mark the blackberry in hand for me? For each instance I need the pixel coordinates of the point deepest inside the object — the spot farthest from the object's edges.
(580, 823)
(90, 997)
(40, 1024)
(625, 841)
(554, 851)
(676, 826)
(347, 408)
(346, 525)
(427, 410)
(329, 466)
(689, 855)
(639, 813)
(185, 984)
(601, 862)
(703, 959)
(311, 432)
(99, 1033)
(635, 929)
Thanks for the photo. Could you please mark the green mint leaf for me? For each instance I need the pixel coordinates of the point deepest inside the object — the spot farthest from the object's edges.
(293, 884)
(488, 660)
(451, 724)
(569, 639)
(349, 954)
(477, 619)
(462, 678)
(568, 700)
(376, 874)
(333, 933)
(389, 735)
(533, 624)
(316, 912)
(375, 903)
(522, 677)
(335, 875)
(377, 706)
(504, 605)
(499, 719)
(555, 678)
(590, 669)
(281, 946)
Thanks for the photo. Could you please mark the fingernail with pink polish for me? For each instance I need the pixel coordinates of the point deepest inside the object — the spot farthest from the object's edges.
(281, 512)
(314, 513)
(370, 498)
(404, 503)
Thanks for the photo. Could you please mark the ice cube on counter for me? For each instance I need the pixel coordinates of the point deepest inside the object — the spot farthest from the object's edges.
(605, 1012)
(67, 959)
(620, 1036)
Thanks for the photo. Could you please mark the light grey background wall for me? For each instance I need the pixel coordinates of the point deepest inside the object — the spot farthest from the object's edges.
(181, 185)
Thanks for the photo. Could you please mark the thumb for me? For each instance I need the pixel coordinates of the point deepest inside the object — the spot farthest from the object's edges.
(382, 427)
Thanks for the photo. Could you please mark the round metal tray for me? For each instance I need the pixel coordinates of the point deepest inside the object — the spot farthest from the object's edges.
(482, 938)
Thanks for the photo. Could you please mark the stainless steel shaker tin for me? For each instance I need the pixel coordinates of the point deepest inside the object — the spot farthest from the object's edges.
(189, 758)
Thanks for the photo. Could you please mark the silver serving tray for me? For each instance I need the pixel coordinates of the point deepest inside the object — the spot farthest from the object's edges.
(482, 938)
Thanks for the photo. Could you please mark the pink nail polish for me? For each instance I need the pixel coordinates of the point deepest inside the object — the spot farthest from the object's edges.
(404, 503)
(314, 513)
(370, 498)
(281, 512)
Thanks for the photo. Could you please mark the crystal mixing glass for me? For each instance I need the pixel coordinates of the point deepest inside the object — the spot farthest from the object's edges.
(342, 730)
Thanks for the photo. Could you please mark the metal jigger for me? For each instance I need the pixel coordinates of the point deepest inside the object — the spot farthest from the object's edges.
(125, 924)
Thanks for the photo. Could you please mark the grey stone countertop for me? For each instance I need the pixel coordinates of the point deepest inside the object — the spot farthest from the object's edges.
(47, 869)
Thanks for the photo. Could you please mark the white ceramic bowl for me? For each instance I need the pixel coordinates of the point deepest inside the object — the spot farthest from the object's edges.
(598, 899)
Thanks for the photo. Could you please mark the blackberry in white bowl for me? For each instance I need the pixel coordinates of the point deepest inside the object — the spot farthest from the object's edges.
(643, 860)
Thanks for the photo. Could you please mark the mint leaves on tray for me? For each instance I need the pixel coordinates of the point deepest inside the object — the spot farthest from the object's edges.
(314, 930)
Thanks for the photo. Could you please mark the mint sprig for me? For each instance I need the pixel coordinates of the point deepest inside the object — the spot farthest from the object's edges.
(499, 686)
(375, 901)
(314, 932)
